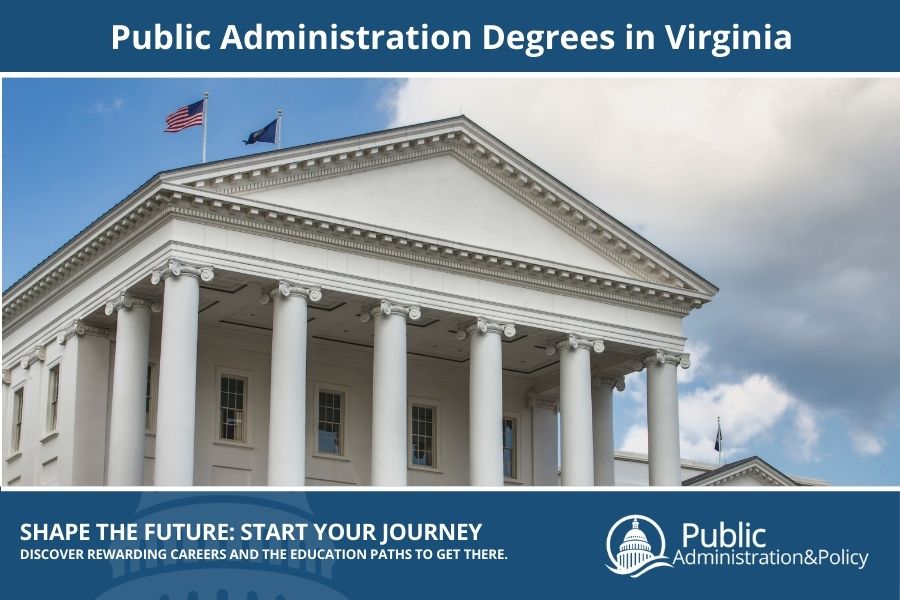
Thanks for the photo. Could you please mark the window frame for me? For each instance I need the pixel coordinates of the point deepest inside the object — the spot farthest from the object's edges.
(150, 418)
(16, 451)
(437, 436)
(313, 430)
(50, 432)
(246, 376)
(517, 449)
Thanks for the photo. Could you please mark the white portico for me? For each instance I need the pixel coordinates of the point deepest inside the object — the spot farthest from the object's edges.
(411, 306)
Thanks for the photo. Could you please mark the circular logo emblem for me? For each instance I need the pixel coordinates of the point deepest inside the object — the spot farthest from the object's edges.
(635, 554)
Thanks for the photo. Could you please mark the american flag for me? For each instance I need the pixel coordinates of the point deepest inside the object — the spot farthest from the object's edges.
(184, 117)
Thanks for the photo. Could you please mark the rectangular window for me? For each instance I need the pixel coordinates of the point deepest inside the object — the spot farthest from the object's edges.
(330, 423)
(423, 433)
(232, 399)
(53, 399)
(510, 468)
(18, 406)
(148, 400)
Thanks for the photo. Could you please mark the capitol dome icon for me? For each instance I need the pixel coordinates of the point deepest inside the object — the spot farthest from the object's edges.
(636, 553)
(635, 549)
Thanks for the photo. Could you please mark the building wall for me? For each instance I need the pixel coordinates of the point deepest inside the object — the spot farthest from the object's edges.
(348, 368)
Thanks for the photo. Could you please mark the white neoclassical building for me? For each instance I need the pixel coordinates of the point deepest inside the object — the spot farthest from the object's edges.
(417, 306)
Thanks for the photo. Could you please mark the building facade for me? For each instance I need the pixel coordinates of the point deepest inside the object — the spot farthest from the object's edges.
(417, 306)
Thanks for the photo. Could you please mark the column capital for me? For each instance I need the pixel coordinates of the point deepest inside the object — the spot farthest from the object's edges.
(661, 357)
(481, 325)
(37, 354)
(535, 401)
(389, 307)
(175, 268)
(126, 300)
(286, 289)
(613, 382)
(7, 376)
(79, 328)
(574, 342)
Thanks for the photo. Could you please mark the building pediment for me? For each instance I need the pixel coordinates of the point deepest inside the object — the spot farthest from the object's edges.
(299, 178)
(446, 194)
(752, 471)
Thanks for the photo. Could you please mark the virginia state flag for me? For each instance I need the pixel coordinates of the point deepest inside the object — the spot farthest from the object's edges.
(266, 134)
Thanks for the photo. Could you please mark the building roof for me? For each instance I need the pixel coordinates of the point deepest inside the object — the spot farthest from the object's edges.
(753, 465)
(656, 276)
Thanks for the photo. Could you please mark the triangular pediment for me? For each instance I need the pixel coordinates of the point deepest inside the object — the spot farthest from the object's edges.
(443, 192)
(752, 471)
(452, 181)
(441, 198)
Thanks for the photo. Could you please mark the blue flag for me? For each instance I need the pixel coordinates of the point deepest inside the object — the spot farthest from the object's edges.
(266, 134)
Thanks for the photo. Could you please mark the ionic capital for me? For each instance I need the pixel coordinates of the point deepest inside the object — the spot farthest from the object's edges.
(38, 354)
(574, 342)
(389, 307)
(286, 289)
(535, 401)
(617, 383)
(126, 300)
(79, 328)
(176, 268)
(661, 357)
(484, 326)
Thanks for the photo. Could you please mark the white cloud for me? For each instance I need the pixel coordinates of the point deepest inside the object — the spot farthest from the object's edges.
(749, 410)
(699, 352)
(866, 443)
(781, 191)
(98, 108)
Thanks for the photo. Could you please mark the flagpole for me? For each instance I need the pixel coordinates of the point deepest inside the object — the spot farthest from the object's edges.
(278, 129)
(719, 437)
(205, 119)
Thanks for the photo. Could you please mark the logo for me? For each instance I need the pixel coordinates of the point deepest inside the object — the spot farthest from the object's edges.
(635, 555)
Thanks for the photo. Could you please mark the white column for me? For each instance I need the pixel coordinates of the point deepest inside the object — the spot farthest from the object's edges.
(664, 451)
(389, 439)
(575, 408)
(83, 397)
(486, 400)
(176, 407)
(604, 435)
(544, 440)
(287, 398)
(126, 415)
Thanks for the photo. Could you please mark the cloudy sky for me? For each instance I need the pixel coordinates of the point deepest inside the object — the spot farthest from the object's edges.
(783, 192)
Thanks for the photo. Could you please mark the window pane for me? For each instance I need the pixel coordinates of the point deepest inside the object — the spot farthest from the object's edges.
(328, 422)
(18, 405)
(231, 408)
(509, 448)
(53, 398)
(422, 435)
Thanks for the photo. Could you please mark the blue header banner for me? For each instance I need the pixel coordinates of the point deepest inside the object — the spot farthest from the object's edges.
(327, 544)
(465, 36)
